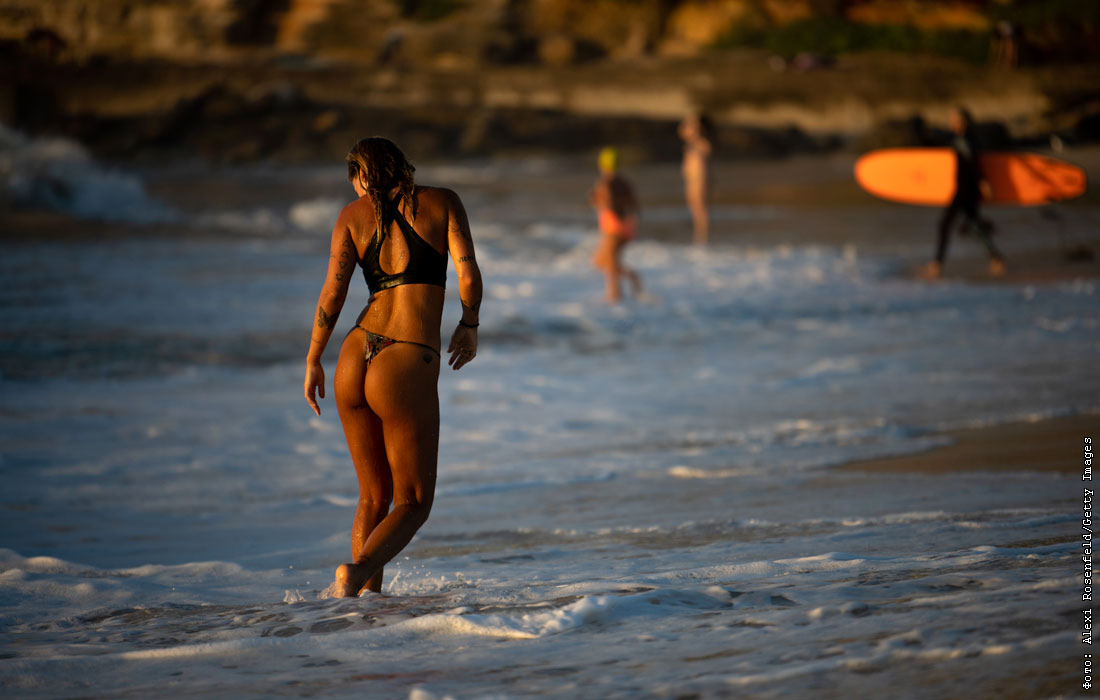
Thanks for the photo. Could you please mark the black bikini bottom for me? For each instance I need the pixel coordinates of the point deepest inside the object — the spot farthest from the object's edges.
(377, 343)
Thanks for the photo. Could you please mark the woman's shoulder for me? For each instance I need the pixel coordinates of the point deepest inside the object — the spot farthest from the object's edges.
(356, 214)
(357, 209)
(440, 195)
(442, 201)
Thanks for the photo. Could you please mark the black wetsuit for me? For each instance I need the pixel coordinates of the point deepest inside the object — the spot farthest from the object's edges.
(968, 194)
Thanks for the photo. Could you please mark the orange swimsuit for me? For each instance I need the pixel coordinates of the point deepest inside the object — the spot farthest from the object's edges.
(614, 225)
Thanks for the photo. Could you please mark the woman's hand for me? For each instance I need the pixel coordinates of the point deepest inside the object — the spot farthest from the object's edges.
(315, 382)
(463, 347)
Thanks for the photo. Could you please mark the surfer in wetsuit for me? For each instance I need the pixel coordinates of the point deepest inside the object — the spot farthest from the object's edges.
(386, 378)
(617, 209)
(970, 187)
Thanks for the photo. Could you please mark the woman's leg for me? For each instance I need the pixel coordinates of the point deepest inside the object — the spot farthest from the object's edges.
(614, 269)
(630, 273)
(696, 193)
(363, 431)
(606, 258)
(600, 255)
(401, 389)
(618, 246)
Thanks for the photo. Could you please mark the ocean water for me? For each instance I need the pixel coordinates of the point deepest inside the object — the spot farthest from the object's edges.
(633, 501)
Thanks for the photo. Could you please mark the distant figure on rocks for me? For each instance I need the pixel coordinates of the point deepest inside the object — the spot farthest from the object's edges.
(1003, 52)
(697, 133)
(617, 209)
(970, 187)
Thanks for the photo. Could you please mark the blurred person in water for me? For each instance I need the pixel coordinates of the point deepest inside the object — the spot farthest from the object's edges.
(697, 133)
(400, 234)
(617, 209)
(970, 187)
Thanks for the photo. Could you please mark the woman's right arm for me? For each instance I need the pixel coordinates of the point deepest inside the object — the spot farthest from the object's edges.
(597, 196)
(341, 263)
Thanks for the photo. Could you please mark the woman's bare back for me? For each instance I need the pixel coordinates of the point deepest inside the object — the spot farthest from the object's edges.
(409, 311)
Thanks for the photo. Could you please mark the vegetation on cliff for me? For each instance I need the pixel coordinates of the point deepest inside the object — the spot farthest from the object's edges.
(459, 33)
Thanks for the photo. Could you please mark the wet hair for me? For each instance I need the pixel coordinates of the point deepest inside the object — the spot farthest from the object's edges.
(384, 167)
(706, 127)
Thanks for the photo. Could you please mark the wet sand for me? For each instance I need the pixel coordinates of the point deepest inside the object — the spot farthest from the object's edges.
(1079, 261)
(1055, 445)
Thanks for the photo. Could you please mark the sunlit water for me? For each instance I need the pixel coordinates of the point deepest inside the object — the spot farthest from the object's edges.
(633, 502)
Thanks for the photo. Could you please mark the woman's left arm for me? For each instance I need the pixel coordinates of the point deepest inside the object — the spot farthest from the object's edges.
(460, 243)
(341, 263)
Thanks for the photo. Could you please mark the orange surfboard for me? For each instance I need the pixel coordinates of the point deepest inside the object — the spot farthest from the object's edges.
(926, 176)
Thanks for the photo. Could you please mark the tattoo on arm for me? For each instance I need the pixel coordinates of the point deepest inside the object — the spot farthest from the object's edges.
(466, 258)
(344, 260)
(460, 224)
(475, 307)
(326, 320)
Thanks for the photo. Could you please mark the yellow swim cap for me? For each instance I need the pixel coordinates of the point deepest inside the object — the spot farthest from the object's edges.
(609, 159)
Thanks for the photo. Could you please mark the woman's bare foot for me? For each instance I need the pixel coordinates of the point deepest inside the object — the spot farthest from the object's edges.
(350, 580)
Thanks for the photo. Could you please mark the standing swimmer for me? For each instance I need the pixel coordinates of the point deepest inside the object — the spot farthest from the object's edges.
(386, 382)
(697, 133)
(970, 186)
(617, 208)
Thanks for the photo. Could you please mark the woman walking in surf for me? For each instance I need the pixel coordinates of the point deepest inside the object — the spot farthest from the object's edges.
(385, 386)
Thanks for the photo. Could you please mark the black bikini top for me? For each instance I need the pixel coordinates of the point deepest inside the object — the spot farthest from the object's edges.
(426, 264)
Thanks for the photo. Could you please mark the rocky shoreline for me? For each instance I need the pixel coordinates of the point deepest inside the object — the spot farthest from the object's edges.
(294, 110)
(227, 81)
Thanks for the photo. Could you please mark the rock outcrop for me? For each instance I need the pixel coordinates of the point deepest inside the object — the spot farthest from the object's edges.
(437, 32)
(243, 79)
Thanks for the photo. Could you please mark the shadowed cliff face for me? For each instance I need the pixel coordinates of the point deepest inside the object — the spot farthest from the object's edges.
(234, 30)
(301, 79)
(471, 32)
